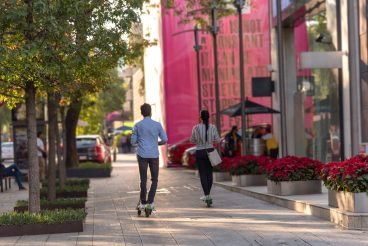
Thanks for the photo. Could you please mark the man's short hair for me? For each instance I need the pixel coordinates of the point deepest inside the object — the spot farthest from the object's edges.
(39, 133)
(146, 110)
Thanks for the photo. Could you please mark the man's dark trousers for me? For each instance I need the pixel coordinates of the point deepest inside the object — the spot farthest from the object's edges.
(153, 165)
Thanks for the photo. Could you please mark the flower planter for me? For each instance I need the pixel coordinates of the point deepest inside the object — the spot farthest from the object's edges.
(22, 209)
(67, 194)
(332, 199)
(289, 188)
(349, 201)
(88, 173)
(249, 180)
(221, 176)
(36, 229)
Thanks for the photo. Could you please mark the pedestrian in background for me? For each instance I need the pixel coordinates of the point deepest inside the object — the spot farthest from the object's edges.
(146, 134)
(272, 146)
(204, 135)
(123, 143)
(14, 171)
(41, 151)
(232, 142)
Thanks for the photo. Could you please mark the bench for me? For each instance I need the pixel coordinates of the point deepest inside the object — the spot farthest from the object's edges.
(4, 180)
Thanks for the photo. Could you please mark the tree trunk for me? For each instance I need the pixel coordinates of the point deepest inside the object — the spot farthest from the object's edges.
(62, 152)
(52, 115)
(34, 178)
(72, 117)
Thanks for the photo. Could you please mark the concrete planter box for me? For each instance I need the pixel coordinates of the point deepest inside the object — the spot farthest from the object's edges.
(37, 229)
(332, 199)
(88, 173)
(348, 201)
(289, 188)
(221, 176)
(249, 180)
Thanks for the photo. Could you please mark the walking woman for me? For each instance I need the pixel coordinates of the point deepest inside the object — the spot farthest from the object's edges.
(204, 135)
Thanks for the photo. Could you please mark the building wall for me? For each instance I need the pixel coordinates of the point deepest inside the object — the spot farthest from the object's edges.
(180, 72)
(363, 99)
(153, 65)
(138, 98)
(345, 110)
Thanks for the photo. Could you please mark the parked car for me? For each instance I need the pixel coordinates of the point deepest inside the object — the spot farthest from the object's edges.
(93, 148)
(175, 151)
(7, 151)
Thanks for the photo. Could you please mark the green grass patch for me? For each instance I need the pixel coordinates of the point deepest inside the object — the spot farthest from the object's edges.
(94, 165)
(44, 217)
(60, 202)
(71, 182)
(67, 188)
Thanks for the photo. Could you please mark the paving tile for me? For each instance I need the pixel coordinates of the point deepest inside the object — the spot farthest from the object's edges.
(182, 219)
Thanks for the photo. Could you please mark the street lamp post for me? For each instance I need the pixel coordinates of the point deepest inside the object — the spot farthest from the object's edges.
(197, 47)
(239, 4)
(281, 77)
(214, 31)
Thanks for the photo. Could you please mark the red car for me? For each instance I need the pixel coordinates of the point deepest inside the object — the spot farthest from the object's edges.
(93, 148)
(175, 151)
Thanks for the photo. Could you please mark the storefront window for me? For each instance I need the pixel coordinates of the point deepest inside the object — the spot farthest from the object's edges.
(317, 31)
(321, 114)
(364, 69)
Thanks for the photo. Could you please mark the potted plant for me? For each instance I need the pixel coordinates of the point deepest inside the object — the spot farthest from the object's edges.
(221, 171)
(249, 170)
(45, 222)
(347, 184)
(293, 175)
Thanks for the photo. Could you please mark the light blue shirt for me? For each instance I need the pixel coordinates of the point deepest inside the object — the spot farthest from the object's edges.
(145, 134)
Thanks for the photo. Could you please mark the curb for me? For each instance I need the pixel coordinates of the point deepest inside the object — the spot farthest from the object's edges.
(347, 220)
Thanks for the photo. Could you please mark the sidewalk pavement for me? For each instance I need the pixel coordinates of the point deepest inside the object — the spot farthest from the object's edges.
(182, 219)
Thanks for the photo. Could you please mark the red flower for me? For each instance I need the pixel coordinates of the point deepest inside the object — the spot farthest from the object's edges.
(349, 175)
(249, 164)
(292, 168)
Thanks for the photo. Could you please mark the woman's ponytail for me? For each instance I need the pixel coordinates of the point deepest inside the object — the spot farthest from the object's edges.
(205, 116)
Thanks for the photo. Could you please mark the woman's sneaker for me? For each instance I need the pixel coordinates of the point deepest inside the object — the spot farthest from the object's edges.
(208, 201)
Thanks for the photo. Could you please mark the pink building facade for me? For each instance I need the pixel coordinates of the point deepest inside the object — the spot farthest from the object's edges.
(180, 74)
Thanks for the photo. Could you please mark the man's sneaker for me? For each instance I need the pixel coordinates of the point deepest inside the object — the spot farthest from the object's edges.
(150, 206)
(208, 201)
(140, 206)
(203, 198)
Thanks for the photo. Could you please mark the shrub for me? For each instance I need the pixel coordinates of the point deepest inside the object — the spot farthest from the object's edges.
(67, 188)
(60, 202)
(292, 168)
(94, 165)
(350, 175)
(71, 182)
(250, 164)
(44, 217)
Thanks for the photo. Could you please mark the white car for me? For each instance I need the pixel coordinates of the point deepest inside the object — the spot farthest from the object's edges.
(7, 150)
